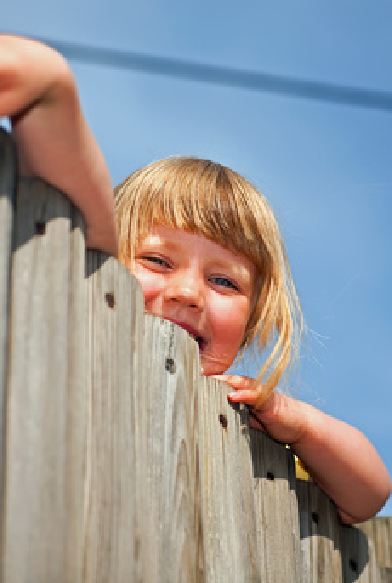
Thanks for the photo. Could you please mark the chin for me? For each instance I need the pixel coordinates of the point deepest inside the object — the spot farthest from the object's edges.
(210, 368)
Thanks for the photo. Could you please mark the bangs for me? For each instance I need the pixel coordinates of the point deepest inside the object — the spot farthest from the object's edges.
(194, 195)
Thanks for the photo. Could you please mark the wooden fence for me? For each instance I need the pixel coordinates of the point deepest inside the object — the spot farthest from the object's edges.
(119, 462)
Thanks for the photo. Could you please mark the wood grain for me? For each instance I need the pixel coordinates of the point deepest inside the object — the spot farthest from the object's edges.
(249, 514)
(230, 545)
(110, 480)
(379, 531)
(7, 195)
(320, 535)
(358, 557)
(120, 461)
(165, 438)
(36, 448)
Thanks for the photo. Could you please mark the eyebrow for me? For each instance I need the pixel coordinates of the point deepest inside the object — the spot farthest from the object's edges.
(171, 245)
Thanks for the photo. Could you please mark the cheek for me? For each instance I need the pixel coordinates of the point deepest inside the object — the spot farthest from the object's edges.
(229, 320)
(151, 284)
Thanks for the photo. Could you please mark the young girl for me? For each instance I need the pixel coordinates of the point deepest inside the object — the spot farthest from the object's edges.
(207, 251)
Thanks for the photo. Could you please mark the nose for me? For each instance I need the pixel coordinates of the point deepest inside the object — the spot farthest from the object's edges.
(185, 288)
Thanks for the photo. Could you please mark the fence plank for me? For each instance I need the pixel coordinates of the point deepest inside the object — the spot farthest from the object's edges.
(226, 488)
(165, 439)
(110, 483)
(250, 524)
(276, 509)
(35, 519)
(77, 407)
(320, 535)
(7, 191)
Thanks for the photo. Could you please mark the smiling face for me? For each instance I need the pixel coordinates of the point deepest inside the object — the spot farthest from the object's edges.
(191, 195)
(199, 285)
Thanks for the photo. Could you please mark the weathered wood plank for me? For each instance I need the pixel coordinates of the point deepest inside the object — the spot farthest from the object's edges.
(35, 513)
(110, 481)
(228, 509)
(77, 404)
(167, 511)
(7, 193)
(276, 509)
(250, 522)
(320, 535)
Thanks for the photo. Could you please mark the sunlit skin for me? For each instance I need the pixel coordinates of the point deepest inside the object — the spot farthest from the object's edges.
(201, 286)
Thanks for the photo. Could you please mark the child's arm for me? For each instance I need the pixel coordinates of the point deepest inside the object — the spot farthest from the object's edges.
(39, 94)
(339, 457)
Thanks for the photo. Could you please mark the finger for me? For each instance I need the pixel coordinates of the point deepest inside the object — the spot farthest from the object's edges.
(246, 397)
(255, 398)
(237, 381)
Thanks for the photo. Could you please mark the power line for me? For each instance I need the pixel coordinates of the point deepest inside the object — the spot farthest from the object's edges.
(226, 76)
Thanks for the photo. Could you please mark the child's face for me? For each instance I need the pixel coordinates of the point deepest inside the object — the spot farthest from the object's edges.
(201, 286)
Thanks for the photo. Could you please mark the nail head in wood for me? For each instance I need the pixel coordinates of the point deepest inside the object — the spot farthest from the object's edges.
(40, 228)
(170, 365)
(109, 298)
(223, 420)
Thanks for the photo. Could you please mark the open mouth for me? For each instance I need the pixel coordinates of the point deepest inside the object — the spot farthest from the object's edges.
(200, 340)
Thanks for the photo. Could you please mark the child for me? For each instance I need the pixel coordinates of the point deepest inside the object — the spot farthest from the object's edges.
(207, 251)
(205, 246)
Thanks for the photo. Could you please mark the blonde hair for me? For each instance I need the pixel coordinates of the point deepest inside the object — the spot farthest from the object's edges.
(207, 198)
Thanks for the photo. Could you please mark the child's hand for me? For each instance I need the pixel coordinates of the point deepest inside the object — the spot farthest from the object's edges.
(339, 457)
(282, 417)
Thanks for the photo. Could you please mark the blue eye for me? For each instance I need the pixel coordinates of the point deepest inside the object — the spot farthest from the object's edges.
(224, 282)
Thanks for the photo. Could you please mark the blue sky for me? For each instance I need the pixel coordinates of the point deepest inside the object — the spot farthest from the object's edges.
(326, 168)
